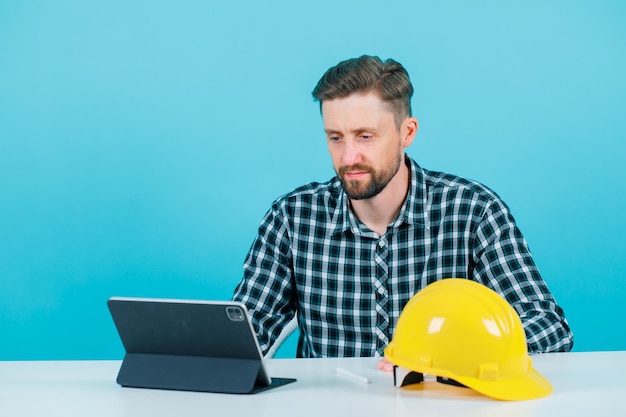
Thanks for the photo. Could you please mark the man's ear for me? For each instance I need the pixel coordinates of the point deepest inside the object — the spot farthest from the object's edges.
(409, 129)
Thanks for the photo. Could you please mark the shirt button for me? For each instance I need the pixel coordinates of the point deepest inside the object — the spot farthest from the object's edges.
(381, 290)
(381, 243)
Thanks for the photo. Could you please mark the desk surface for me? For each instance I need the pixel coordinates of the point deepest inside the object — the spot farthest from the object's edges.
(586, 383)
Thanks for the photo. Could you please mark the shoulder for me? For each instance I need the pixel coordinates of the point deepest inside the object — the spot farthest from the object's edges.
(444, 192)
(313, 195)
(439, 183)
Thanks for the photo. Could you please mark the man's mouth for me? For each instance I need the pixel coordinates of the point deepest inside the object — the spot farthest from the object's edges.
(355, 175)
(354, 172)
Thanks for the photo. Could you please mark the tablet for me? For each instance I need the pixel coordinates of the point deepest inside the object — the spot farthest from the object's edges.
(189, 345)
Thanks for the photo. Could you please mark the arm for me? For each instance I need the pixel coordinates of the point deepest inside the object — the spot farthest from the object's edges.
(502, 261)
(266, 287)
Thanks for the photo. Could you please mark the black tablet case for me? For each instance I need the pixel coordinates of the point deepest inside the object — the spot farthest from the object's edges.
(188, 346)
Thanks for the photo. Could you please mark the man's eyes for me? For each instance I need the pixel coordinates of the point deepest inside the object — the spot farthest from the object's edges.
(338, 138)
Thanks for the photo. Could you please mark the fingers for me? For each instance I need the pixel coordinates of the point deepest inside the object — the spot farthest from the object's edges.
(385, 365)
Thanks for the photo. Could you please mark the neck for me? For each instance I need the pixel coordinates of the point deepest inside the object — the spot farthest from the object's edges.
(379, 211)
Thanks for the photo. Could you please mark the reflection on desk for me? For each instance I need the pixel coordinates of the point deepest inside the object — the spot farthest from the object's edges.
(585, 383)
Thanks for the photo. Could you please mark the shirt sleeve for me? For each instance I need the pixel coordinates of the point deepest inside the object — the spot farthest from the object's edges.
(503, 262)
(266, 287)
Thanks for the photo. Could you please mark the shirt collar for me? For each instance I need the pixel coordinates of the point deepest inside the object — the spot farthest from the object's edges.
(412, 212)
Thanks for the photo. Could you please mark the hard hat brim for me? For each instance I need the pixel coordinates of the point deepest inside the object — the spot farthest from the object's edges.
(528, 386)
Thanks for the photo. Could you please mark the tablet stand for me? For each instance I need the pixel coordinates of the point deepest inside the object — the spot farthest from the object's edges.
(195, 373)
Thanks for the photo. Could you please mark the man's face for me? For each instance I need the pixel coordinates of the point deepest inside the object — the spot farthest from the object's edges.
(365, 144)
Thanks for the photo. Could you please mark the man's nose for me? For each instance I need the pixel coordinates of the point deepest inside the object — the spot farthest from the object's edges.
(351, 153)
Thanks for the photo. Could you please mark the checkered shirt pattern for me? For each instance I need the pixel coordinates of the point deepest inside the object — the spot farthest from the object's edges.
(312, 257)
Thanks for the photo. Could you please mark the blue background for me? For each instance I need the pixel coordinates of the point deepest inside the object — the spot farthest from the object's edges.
(141, 142)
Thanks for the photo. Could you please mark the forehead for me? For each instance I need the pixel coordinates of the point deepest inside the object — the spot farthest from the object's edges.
(354, 110)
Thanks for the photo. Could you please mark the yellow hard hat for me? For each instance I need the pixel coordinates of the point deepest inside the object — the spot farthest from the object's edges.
(461, 330)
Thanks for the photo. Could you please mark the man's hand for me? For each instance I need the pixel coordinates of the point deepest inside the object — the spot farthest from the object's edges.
(385, 365)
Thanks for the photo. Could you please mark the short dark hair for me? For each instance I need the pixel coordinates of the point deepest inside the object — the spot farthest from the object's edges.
(388, 79)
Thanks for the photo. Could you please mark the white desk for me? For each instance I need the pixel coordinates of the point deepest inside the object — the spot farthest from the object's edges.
(585, 384)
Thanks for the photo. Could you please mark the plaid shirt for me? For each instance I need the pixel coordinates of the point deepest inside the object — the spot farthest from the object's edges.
(312, 257)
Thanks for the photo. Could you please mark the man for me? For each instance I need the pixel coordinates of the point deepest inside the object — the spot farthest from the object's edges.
(346, 255)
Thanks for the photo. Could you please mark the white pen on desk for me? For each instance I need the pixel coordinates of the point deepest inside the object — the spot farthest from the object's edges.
(352, 375)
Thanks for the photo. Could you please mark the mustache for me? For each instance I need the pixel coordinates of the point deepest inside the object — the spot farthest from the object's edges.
(356, 167)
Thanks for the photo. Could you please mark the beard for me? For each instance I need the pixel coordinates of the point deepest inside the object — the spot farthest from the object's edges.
(360, 190)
